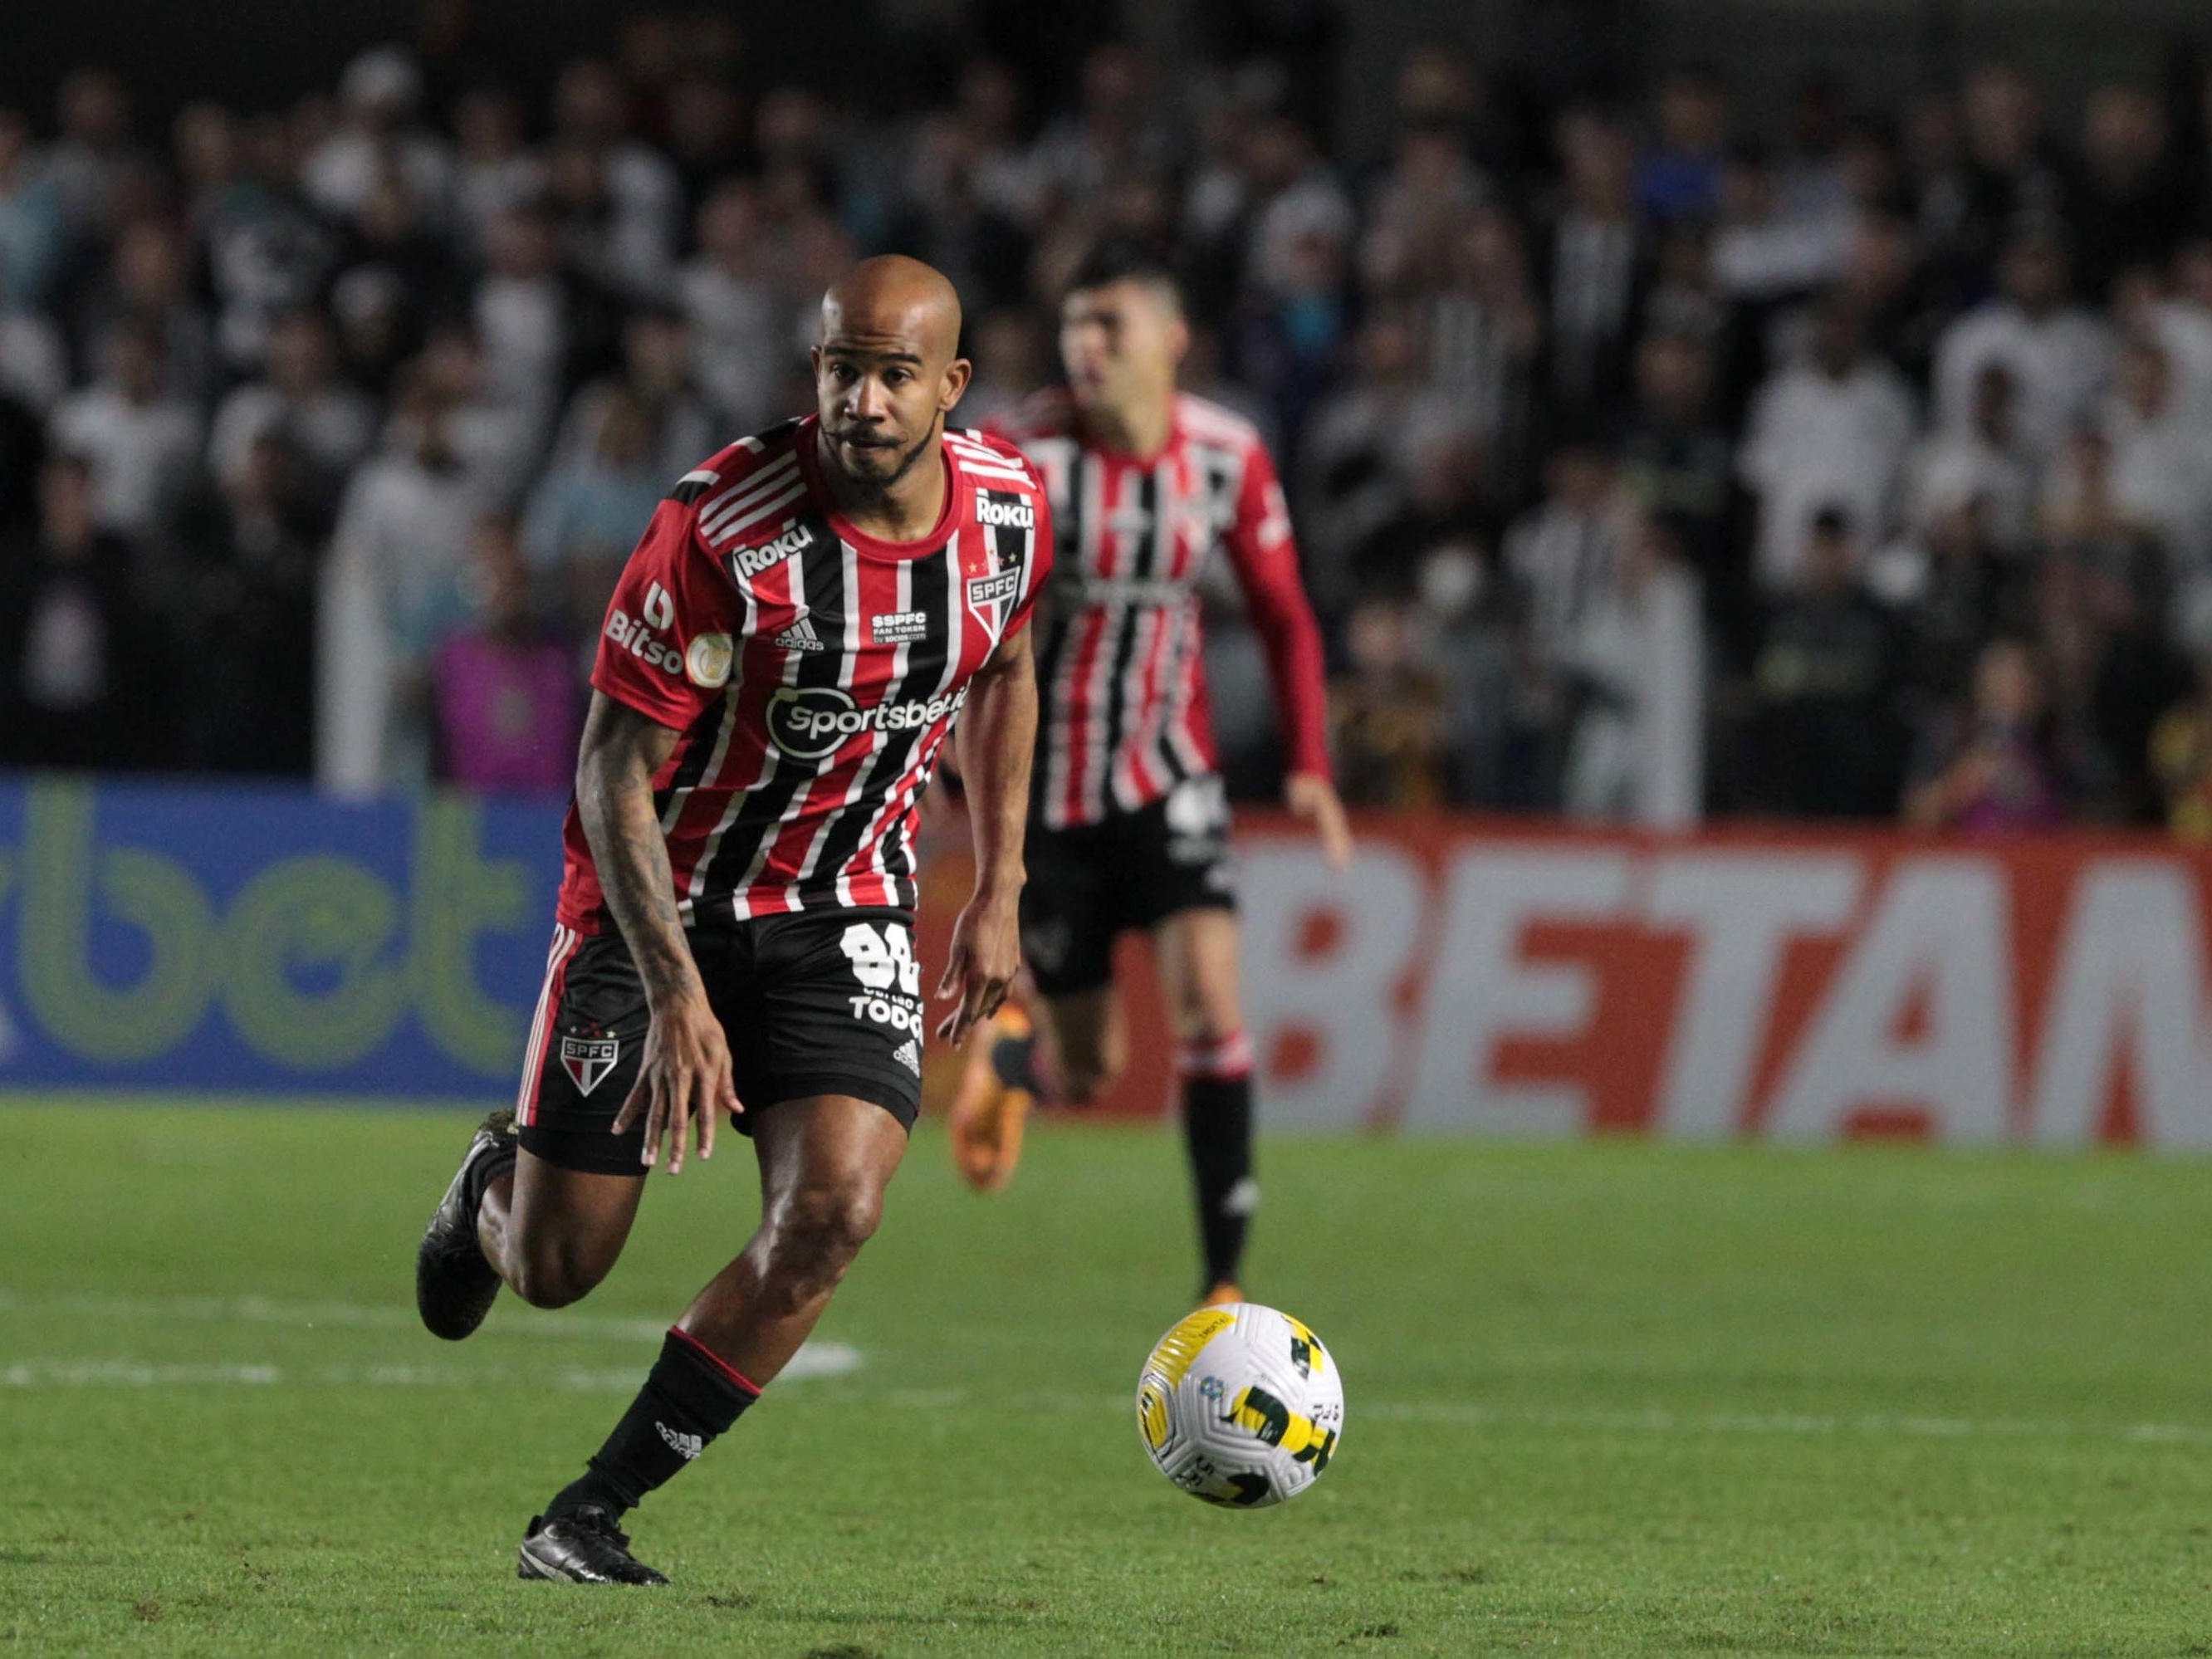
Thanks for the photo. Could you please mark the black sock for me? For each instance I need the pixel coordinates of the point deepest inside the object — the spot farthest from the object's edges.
(488, 1171)
(1217, 1124)
(1014, 1061)
(689, 1397)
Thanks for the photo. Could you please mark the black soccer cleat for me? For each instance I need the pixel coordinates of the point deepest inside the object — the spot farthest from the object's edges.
(454, 1286)
(583, 1547)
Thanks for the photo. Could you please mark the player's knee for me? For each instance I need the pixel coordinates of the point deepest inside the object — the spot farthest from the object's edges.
(821, 1231)
(554, 1276)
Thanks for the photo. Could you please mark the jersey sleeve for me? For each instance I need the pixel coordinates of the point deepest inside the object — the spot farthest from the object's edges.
(1266, 557)
(671, 635)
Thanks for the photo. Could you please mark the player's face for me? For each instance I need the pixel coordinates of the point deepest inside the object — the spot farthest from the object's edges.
(1119, 344)
(882, 391)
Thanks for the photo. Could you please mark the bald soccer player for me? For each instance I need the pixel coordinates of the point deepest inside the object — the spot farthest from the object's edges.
(784, 658)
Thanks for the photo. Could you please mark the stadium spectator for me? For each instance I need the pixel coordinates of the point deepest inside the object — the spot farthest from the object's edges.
(141, 442)
(1826, 683)
(1387, 712)
(380, 143)
(1830, 432)
(1992, 770)
(2181, 759)
(328, 425)
(1982, 462)
(86, 681)
(2059, 355)
(396, 583)
(33, 221)
(505, 692)
(495, 172)
(2161, 461)
(585, 514)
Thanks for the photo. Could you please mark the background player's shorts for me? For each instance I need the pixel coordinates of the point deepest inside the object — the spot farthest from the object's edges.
(821, 1002)
(1089, 883)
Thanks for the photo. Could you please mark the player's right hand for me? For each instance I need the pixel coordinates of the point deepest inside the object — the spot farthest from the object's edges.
(684, 1081)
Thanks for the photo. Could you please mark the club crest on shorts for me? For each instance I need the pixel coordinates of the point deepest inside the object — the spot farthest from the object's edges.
(588, 1060)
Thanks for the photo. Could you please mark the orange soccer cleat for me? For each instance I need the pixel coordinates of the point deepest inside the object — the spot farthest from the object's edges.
(988, 1112)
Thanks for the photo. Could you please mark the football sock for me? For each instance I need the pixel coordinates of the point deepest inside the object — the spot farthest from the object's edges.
(689, 1397)
(487, 1171)
(1013, 1060)
(1217, 1124)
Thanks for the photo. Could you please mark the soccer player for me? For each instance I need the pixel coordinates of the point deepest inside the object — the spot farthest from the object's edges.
(782, 661)
(1129, 826)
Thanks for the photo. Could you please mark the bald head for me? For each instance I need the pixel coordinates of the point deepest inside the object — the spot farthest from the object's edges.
(888, 369)
(892, 295)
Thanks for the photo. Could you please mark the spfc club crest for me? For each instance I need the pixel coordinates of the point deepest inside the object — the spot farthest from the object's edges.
(990, 584)
(588, 1058)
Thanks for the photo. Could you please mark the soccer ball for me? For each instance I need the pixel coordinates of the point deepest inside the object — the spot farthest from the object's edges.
(1241, 1406)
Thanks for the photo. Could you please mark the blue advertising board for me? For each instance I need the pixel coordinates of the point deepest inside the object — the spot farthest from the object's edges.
(249, 937)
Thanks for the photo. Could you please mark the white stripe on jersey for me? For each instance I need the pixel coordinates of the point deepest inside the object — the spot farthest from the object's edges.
(873, 839)
(877, 738)
(753, 514)
(849, 573)
(770, 755)
(751, 487)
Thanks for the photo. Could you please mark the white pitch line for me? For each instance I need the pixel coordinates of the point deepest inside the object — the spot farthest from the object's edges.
(264, 1311)
(815, 1359)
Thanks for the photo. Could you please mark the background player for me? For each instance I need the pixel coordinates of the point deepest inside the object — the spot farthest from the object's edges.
(1130, 826)
(782, 660)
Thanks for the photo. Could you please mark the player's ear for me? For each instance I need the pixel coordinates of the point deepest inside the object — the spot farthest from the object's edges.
(1179, 337)
(957, 374)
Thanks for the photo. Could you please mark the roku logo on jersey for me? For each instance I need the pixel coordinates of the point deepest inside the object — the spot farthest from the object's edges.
(1009, 511)
(640, 641)
(807, 722)
(752, 561)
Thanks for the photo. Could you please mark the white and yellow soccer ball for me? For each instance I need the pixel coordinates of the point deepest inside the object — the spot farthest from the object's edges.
(1241, 1406)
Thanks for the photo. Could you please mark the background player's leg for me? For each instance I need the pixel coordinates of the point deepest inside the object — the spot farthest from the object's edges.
(553, 1234)
(1083, 1045)
(824, 1162)
(1196, 951)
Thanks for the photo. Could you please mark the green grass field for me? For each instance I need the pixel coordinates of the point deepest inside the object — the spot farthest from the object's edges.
(1602, 1399)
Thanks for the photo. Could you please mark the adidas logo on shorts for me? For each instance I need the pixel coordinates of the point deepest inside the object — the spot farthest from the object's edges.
(910, 1055)
(799, 636)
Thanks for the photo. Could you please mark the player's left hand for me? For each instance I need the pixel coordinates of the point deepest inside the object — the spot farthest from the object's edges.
(1314, 798)
(980, 969)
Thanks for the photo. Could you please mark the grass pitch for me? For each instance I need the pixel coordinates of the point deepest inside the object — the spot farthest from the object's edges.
(1602, 1399)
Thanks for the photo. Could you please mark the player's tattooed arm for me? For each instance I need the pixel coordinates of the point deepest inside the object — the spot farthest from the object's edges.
(685, 1079)
(995, 737)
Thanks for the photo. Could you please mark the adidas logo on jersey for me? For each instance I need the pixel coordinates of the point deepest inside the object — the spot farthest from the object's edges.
(910, 1055)
(1011, 511)
(799, 636)
(752, 561)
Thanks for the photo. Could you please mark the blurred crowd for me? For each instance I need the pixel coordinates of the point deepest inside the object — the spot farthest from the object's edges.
(1648, 462)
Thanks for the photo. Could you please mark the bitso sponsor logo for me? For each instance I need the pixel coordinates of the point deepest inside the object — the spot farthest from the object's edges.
(660, 609)
(708, 661)
(1010, 512)
(898, 627)
(807, 722)
(639, 640)
(752, 561)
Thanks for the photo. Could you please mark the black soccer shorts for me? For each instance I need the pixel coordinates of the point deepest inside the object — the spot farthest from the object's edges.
(1090, 883)
(819, 1002)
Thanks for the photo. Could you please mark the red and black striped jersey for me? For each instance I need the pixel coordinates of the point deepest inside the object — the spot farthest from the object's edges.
(813, 670)
(1120, 671)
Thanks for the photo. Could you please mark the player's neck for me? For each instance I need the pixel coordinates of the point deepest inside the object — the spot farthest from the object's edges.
(1142, 429)
(904, 510)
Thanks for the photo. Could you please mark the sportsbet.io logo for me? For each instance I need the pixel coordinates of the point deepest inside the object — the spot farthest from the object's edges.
(808, 722)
